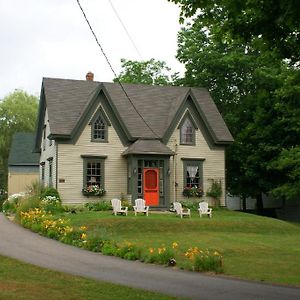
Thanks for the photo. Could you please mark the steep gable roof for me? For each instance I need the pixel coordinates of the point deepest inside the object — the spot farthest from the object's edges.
(68, 100)
(21, 151)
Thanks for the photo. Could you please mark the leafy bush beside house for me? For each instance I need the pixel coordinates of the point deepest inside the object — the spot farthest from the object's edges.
(98, 206)
(215, 191)
(49, 191)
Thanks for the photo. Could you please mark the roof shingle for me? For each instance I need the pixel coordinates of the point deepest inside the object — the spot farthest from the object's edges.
(67, 100)
(21, 151)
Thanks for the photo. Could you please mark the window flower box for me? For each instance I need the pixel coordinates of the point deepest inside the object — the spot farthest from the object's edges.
(192, 192)
(93, 190)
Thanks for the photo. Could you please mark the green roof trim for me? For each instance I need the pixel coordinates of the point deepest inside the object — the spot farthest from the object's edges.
(149, 111)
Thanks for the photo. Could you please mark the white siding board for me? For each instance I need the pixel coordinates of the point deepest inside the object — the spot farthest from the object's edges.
(70, 166)
(213, 165)
(50, 151)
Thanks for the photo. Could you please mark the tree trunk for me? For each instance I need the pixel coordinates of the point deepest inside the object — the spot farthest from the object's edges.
(259, 203)
(244, 203)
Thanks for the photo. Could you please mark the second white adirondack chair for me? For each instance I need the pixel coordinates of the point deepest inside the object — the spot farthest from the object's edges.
(180, 211)
(204, 210)
(117, 207)
(140, 207)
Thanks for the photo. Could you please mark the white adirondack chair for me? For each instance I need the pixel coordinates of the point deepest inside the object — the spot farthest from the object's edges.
(117, 207)
(180, 211)
(140, 207)
(204, 210)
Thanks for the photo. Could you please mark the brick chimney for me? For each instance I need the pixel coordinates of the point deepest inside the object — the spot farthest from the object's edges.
(89, 76)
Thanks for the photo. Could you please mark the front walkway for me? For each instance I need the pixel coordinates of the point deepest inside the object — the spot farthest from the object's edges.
(22, 244)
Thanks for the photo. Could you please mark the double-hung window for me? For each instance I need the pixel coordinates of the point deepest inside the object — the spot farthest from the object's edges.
(93, 171)
(50, 172)
(42, 173)
(193, 173)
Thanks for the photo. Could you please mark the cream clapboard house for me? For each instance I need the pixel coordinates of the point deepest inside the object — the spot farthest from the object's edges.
(150, 143)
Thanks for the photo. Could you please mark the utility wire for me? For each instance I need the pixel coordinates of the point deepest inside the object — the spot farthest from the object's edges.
(125, 29)
(116, 77)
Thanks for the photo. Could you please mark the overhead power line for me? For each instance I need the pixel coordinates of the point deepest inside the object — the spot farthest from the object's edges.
(117, 78)
(125, 29)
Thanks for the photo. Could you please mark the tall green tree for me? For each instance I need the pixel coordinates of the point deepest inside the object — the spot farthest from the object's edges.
(255, 86)
(276, 22)
(18, 112)
(154, 72)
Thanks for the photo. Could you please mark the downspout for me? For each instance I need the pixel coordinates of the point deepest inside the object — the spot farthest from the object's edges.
(56, 161)
(175, 172)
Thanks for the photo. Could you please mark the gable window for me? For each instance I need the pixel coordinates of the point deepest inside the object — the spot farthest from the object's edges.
(99, 129)
(93, 171)
(193, 173)
(187, 133)
(99, 126)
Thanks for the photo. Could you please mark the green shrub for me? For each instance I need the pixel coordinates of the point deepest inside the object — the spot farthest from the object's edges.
(26, 204)
(94, 244)
(215, 191)
(128, 251)
(70, 237)
(35, 188)
(9, 207)
(161, 255)
(36, 227)
(126, 203)
(109, 248)
(73, 209)
(205, 263)
(32, 217)
(49, 191)
(98, 206)
(53, 234)
(204, 260)
(192, 205)
(51, 204)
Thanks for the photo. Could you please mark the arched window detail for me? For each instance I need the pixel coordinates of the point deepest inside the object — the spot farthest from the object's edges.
(99, 129)
(187, 133)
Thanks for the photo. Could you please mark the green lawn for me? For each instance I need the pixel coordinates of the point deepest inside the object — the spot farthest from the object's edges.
(253, 247)
(23, 281)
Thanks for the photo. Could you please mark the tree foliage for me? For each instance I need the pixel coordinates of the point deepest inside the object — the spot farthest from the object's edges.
(250, 66)
(153, 72)
(276, 22)
(18, 112)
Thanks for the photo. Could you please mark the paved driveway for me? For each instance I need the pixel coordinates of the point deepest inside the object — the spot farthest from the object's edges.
(22, 244)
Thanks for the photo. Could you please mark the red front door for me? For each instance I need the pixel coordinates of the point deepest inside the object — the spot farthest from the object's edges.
(151, 186)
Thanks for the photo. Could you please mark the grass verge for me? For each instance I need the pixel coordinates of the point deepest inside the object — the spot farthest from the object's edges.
(23, 281)
(253, 247)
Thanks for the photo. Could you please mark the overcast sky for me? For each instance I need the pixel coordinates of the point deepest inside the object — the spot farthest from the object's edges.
(50, 38)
